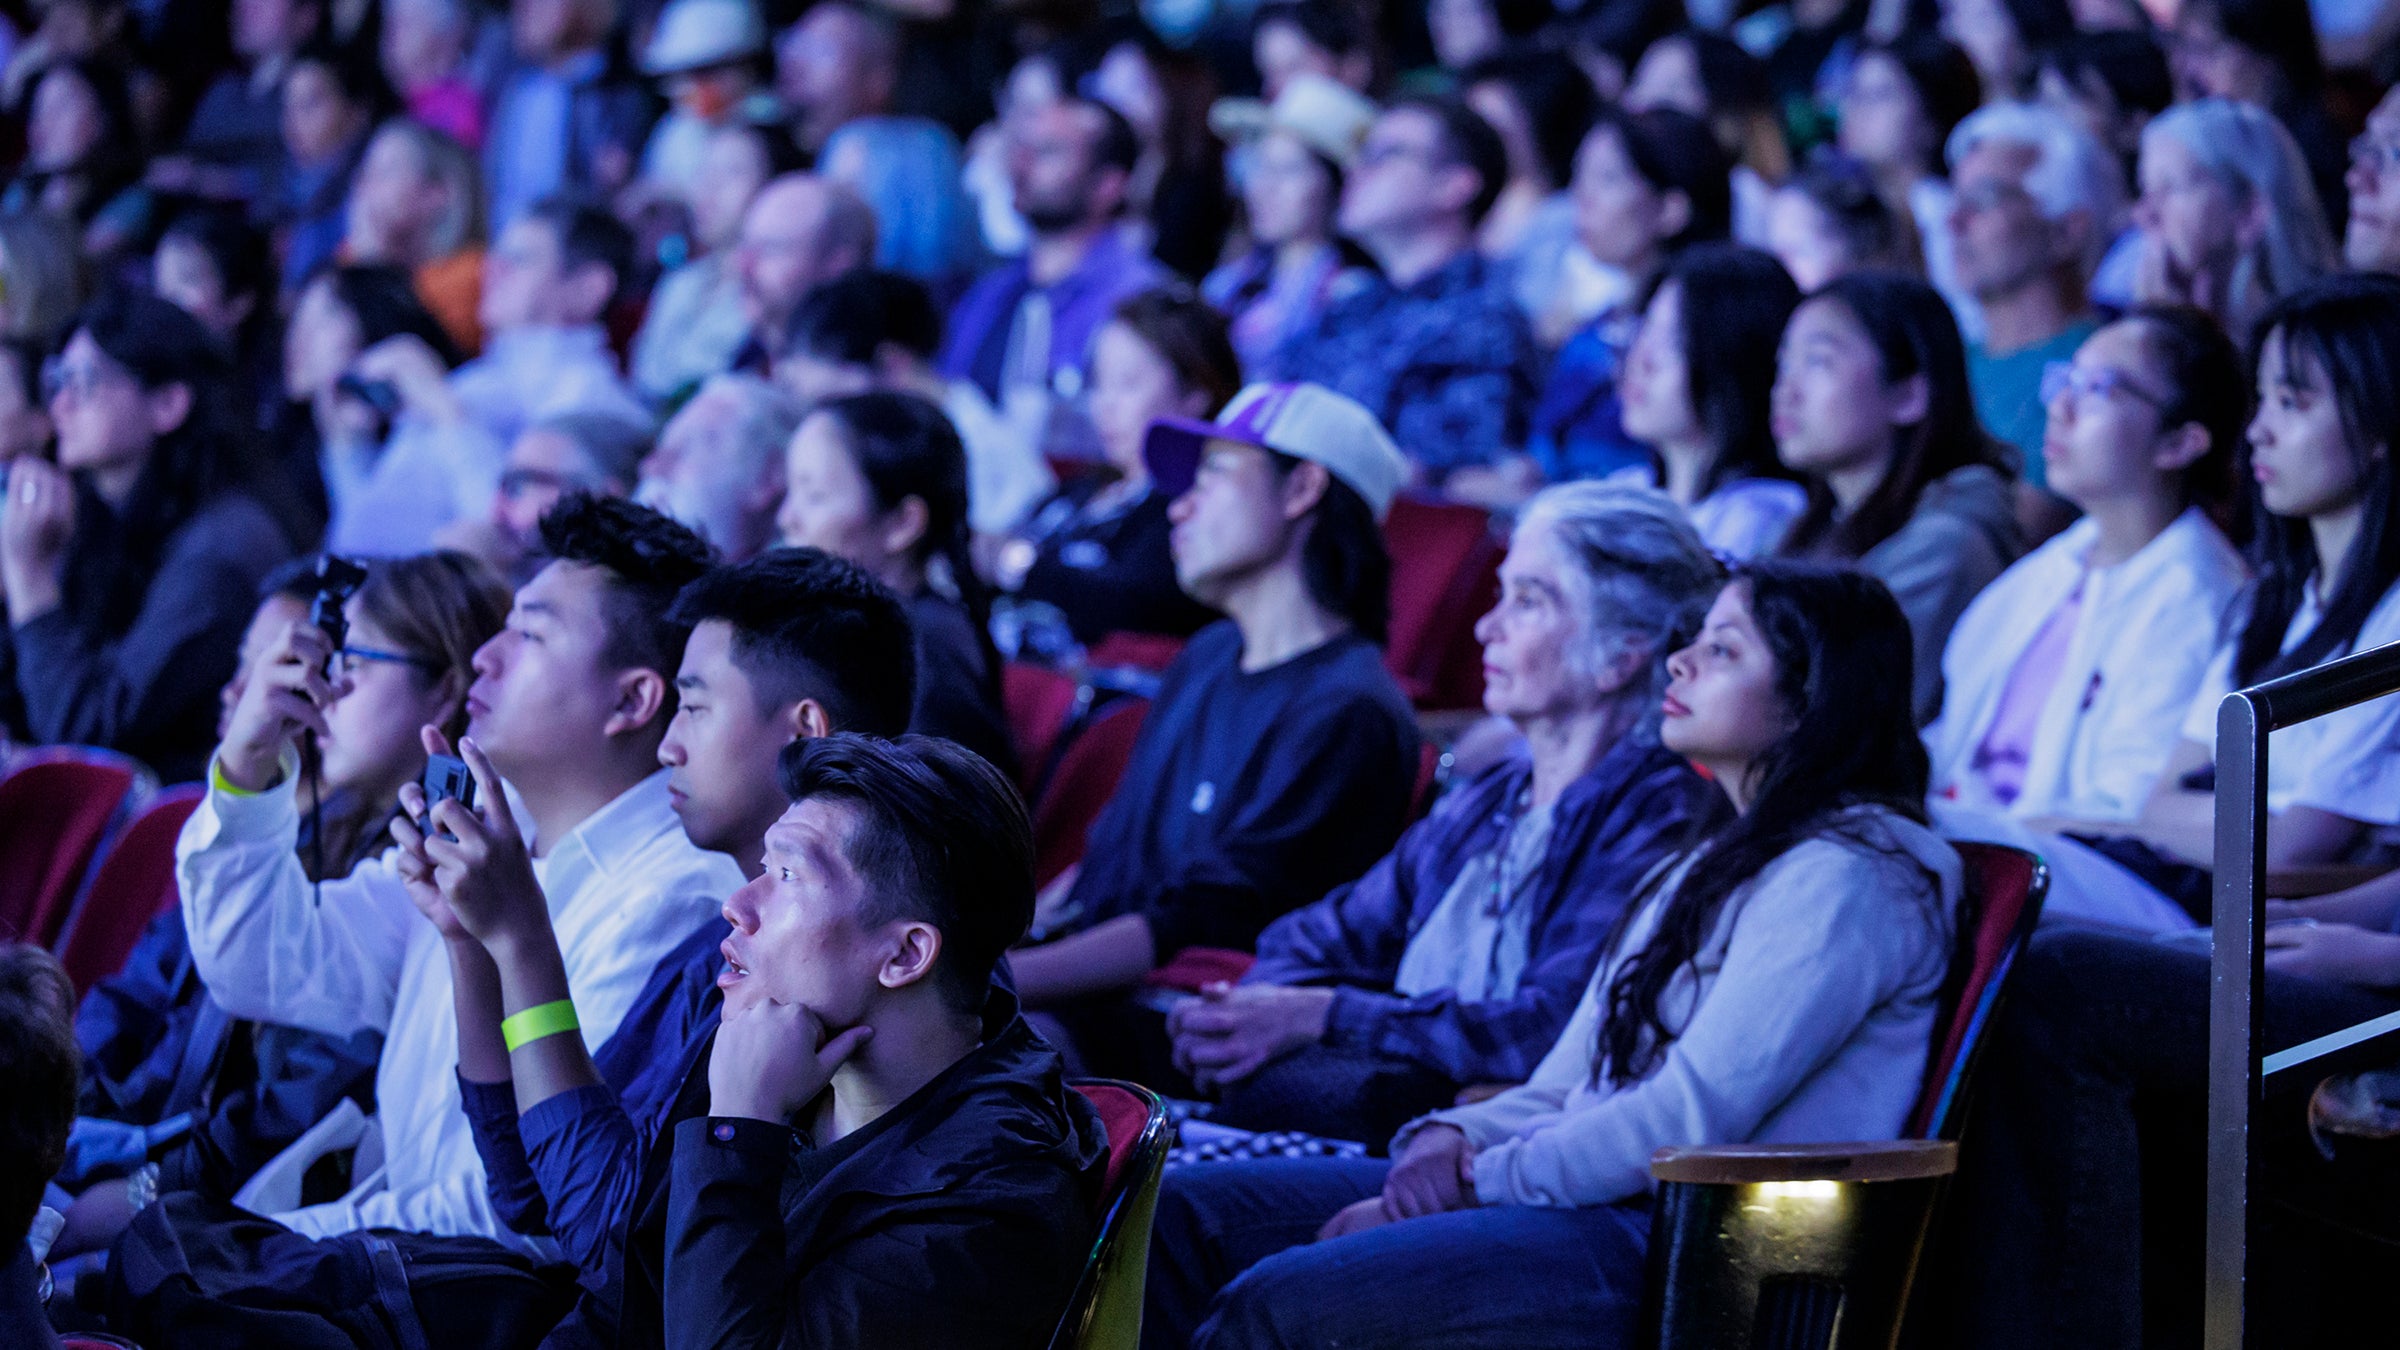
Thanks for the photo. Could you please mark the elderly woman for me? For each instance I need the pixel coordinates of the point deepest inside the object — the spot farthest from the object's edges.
(2229, 222)
(1457, 958)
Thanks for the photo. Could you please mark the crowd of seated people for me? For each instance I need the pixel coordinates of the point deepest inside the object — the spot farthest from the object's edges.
(584, 499)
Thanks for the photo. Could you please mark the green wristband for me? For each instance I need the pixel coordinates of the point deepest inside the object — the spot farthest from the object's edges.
(542, 1019)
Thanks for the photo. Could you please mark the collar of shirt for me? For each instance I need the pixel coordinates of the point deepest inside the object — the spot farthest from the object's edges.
(1461, 274)
(608, 839)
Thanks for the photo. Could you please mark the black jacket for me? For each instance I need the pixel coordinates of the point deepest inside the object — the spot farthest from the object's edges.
(960, 1218)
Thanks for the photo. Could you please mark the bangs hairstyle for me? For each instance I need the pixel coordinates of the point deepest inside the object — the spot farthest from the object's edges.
(1914, 334)
(1843, 675)
(808, 625)
(649, 559)
(2341, 339)
(940, 837)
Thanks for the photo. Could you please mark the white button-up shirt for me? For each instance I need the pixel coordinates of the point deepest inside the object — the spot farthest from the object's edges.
(624, 888)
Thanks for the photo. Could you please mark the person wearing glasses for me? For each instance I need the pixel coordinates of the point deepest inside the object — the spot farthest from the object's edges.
(179, 1096)
(2068, 678)
(590, 450)
(1437, 349)
(129, 565)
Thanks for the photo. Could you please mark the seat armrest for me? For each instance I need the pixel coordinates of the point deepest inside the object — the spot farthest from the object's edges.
(1750, 1164)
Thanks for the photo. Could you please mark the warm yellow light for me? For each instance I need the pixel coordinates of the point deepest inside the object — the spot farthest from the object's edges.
(1799, 1190)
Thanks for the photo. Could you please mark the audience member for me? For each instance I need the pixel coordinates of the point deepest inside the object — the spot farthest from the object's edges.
(334, 425)
(697, 320)
(219, 269)
(800, 232)
(1176, 202)
(1540, 106)
(1435, 350)
(83, 156)
(1316, 37)
(907, 171)
(1294, 154)
(25, 429)
(570, 700)
(1023, 332)
(417, 204)
(1713, 78)
(707, 57)
(547, 284)
(1827, 220)
(881, 479)
(1456, 959)
(1898, 107)
(1872, 409)
(870, 330)
(2111, 83)
(329, 107)
(2371, 241)
(2005, 38)
(2229, 222)
(239, 122)
(570, 118)
(1647, 186)
(2266, 54)
(129, 565)
(595, 452)
(2036, 203)
(38, 1070)
(169, 1076)
(839, 63)
(2329, 584)
(1275, 763)
(791, 645)
(1095, 559)
(718, 467)
(947, 1168)
(2068, 678)
(41, 277)
(1697, 396)
(427, 49)
(1776, 984)
(2088, 1189)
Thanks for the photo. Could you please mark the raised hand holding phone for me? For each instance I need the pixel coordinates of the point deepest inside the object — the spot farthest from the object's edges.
(472, 852)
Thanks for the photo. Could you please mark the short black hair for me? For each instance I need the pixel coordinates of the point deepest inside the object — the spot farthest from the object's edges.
(1345, 562)
(649, 558)
(810, 625)
(851, 317)
(588, 234)
(1467, 139)
(1329, 25)
(40, 1068)
(942, 836)
(1119, 146)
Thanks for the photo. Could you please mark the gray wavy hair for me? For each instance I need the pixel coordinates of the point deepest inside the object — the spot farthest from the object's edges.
(2249, 151)
(1639, 574)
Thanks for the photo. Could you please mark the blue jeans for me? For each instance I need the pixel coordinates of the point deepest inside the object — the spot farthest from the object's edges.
(1234, 1262)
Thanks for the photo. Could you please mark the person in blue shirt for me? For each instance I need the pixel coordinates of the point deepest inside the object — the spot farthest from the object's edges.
(1457, 958)
(1277, 760)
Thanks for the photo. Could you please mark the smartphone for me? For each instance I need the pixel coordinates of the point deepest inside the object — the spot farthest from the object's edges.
(380, 395)
(446, 777)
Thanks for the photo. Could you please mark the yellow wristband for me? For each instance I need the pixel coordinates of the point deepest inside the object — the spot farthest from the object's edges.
(218, 780)
(542, 1019)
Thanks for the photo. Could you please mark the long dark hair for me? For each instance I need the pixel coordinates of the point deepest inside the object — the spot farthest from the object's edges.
(2347, 329)
(1735, 302)
(1843, 673)
(906, 447)
(160, 346)
(1914, 334)
(1344, 561)
(1674, 151)
(2205, 388)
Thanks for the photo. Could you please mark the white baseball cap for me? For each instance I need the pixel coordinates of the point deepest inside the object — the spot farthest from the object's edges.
(1305, 421)
(695, 34)
(1327, 116)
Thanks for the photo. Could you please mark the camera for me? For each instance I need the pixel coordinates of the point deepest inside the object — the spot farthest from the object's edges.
(337, 579)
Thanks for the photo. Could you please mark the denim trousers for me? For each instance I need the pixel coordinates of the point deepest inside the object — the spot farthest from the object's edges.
(2080, 1200)
(1234, 1262)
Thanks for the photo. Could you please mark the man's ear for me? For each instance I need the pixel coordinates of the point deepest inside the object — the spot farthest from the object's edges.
(916, 946)
(1674, 213)
(641, 698)
(588, 289)
(168, 405)
(1303, 488)
(2180, 448)
(807, 720)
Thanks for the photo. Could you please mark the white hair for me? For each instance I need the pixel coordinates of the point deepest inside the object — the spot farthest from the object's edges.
(765, 416)
(2249, 151)
(2071, 171)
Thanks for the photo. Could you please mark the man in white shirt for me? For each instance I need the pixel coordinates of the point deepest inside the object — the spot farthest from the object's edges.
(570, 703)
(547, 285)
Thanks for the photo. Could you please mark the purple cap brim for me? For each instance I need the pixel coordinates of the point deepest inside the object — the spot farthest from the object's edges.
(1172, 446)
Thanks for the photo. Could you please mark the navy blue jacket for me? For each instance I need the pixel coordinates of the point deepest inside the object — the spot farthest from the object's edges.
(1608, 829)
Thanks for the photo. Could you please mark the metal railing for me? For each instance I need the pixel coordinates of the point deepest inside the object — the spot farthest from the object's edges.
(2236, 1073)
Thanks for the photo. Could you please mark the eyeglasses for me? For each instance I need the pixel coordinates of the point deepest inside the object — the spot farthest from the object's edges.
(2063, 377)
(61, 377)
(2379, 153)
(348, 660)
